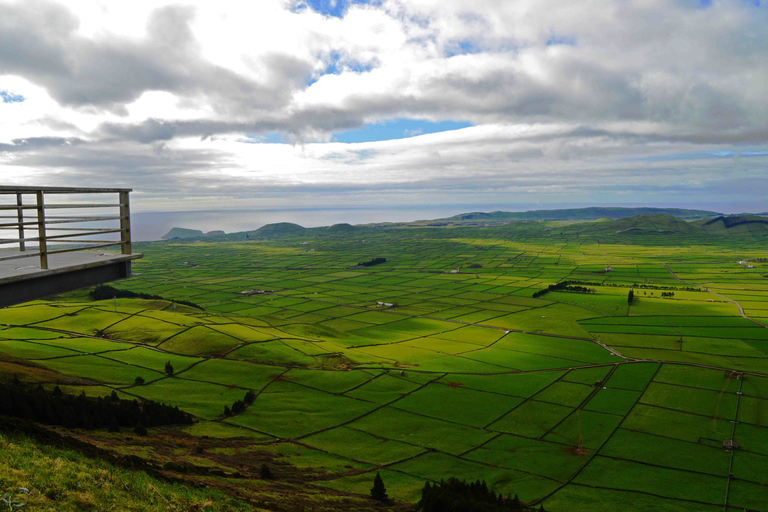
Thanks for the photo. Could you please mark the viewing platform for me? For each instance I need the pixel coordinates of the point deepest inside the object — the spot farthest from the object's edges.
(65, 251)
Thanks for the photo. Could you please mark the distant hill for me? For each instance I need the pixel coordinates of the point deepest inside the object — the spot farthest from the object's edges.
(592, 213)
(189, 233)
(735, 224)
(343, 228)
(642, 224)
(277, 229)
(182, 233)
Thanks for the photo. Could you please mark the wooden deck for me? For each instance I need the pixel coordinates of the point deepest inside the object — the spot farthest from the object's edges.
(23, 280)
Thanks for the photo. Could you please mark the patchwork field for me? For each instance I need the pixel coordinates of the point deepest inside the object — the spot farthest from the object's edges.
(576, 401)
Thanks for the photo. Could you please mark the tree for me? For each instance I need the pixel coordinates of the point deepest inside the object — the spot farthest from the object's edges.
(630, 297)
(238, 407)
(138, 381)
(378, 491)
(265, 473)
(227, 412)
(168, 369)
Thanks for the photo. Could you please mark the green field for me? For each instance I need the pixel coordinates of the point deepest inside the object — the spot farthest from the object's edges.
(577, 401)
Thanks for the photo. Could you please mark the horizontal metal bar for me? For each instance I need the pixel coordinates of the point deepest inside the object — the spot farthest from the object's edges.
(84, 217)
(63, 220)
(62, 206)
(27, 254)
(60, 238)
(59, 251)
(89, 230)
(5, 189)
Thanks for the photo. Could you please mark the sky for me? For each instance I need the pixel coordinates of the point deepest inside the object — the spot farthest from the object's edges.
(274, 104)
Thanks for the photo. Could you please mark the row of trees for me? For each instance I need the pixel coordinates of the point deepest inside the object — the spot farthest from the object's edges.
(240, 405)
(454, 495)
(57, 408)
(564, 286)
(374, 261)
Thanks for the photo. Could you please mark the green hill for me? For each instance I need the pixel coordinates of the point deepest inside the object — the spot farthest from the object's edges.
(570, 214)
(343, 228)
(278, 229)
(737, 224)
(182, 233)
(641, 224)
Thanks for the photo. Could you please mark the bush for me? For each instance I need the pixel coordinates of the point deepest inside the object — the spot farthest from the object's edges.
(238, 407)
(265, 473)
(140, 430)
(456, 495)
(378, 491)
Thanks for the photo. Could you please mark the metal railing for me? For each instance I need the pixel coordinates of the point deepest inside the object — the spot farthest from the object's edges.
(32, 215)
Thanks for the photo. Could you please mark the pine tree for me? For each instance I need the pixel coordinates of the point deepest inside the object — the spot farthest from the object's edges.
(168, 369)
(630, 297)
(265, 473)
(378, 491)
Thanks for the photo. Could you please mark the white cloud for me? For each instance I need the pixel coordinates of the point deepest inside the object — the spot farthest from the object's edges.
(160, 96)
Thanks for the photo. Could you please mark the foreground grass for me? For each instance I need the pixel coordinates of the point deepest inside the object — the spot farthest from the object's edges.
(46, 478)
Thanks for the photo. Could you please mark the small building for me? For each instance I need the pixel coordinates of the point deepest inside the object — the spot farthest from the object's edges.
(454, 271)
(608, 269)
(248, 293)
(730, 444)
(385, 304)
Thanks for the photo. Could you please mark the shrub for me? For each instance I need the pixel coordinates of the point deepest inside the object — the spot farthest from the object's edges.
(265, 473)
(378, 491)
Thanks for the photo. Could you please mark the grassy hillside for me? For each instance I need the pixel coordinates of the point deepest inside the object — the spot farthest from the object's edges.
(277, 229)
(343, 228)
(737, 224)
(36, 476)
(182, 233)
(440, 363)
(592, 213)
(645, 224)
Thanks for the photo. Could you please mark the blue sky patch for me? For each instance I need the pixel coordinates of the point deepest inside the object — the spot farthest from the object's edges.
(396, 129)
(9, 97)
(267, 138)
(561, 40)
(334, 8)
(461, 48)
(338, 64)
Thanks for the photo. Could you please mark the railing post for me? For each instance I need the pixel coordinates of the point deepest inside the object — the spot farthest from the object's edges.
(125, 223)
(41, 230)
(20, 217)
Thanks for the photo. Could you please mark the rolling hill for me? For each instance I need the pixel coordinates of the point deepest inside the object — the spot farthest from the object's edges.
(572, 214)
(277, 229)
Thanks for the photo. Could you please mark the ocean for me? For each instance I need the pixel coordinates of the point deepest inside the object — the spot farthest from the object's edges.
(151, 226)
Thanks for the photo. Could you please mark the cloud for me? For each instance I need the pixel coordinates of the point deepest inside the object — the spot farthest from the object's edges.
(594, 95)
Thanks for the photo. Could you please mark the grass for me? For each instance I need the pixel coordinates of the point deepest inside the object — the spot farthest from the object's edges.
(46, 478)
(436, 386)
